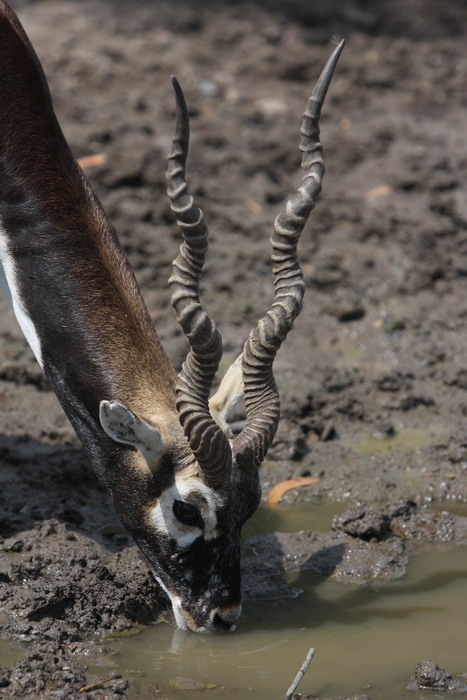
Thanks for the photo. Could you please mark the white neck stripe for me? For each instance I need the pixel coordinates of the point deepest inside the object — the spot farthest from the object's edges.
(9, 284)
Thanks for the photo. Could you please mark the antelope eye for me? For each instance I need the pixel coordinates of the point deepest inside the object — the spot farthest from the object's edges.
(187, 513)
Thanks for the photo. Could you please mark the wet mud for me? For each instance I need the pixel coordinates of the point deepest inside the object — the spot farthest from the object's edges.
(373, 379)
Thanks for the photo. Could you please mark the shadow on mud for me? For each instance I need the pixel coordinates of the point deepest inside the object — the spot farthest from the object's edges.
(40, 480)
(307, 604)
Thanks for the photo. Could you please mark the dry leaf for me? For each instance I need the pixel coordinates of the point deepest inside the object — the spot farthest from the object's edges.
(91, 161)
(278, 490)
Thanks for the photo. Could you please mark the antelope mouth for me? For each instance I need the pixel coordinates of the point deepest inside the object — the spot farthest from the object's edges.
(218, 620)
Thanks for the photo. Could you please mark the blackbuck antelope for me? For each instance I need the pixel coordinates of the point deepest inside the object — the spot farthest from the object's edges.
(181, 484)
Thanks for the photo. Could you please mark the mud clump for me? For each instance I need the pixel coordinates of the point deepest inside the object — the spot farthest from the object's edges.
(367, 544)
(49, 672)
(327, 554)
(414, 524)
(363, 523)
(428, 675)
(69, 589)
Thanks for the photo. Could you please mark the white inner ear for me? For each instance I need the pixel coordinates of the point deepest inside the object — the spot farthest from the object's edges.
(227, 396)
(124, 426)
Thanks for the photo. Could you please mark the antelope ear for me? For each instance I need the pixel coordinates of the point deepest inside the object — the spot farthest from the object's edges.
(124, 426)
(227, 396)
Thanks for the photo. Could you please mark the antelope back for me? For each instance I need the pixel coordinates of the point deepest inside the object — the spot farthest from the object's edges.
(68, 279)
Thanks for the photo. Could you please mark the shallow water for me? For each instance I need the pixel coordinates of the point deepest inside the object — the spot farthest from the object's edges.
(403, 440)
(315, 516)
(9, 653)
(368, 639)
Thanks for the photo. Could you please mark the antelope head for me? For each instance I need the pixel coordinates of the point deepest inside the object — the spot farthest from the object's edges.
(208, 481)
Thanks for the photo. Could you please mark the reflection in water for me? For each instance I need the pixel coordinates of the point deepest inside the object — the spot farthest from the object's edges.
(368, 638)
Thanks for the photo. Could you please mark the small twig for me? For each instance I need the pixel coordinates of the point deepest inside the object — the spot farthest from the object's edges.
(97, 684)
(300, 674)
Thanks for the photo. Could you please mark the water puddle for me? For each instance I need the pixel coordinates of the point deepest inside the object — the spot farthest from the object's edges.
(451, 507)
(10, 653)
(348, 353)
(286, 518)
(404, 440)
(368, 639)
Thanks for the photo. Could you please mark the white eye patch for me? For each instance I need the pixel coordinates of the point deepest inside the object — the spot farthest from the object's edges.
(193, 491)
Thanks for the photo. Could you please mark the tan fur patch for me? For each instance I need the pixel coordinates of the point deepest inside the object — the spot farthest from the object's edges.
(191, 471)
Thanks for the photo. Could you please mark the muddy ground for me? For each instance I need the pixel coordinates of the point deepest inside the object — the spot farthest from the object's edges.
(373, 379)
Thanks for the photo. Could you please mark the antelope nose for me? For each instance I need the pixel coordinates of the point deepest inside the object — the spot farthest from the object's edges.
(224, 620)
(221, 625)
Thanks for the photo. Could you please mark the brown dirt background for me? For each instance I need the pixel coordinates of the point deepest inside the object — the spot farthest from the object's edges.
(379, 350)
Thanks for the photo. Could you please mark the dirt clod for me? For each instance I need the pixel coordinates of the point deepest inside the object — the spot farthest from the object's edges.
(429, 675)
(363, 523)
